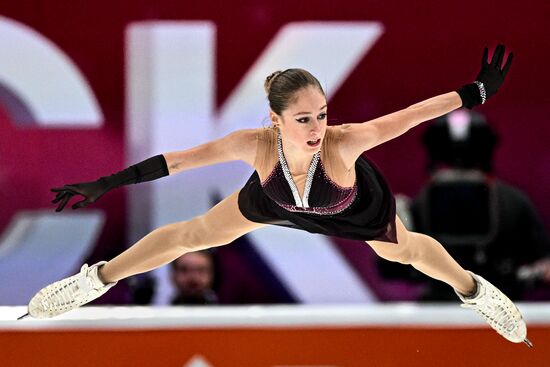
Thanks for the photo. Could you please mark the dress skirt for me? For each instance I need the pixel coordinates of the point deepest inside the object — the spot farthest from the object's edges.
(371, 216)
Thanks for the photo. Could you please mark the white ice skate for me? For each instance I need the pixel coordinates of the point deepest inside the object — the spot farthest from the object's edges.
(498, 310)
(68, 294)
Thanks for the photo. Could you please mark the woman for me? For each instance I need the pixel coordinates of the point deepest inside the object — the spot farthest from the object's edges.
(308, 176)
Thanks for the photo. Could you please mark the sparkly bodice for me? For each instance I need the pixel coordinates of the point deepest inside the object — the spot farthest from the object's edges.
(321, 195)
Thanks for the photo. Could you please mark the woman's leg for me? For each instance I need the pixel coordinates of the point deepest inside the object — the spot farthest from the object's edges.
(220, 225)
(426, 255)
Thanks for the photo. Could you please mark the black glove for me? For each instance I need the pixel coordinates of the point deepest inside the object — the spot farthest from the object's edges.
(148, 170)
(489, 79)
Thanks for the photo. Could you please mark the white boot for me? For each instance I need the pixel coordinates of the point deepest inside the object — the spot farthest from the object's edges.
(69, 293)
(497, 309)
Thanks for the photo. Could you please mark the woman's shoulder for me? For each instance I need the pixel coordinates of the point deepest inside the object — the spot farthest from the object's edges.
(266, 133)
(336, 139)
(243, 144)
(253, 145)
(339, 132)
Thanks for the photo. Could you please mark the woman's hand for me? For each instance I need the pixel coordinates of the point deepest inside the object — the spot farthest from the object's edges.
(492, 74)
(91, 191)
(148, 170)
(488, 81)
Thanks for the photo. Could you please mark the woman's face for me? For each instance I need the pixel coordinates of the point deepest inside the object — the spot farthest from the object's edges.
(303, 123)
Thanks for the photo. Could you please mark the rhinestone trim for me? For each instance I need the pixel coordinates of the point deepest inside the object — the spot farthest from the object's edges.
(303, 203)
(336, 209)
(329, 180)
(482, 91)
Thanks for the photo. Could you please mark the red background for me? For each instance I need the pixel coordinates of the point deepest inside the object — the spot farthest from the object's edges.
(428, 47)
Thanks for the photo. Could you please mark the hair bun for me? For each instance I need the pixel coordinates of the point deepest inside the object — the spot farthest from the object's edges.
(269, 80)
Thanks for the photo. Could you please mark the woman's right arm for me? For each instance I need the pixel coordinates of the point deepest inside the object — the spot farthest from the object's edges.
(239, 145)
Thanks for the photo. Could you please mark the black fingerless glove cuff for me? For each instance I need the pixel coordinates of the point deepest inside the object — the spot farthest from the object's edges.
(148, 170)
(470, 95)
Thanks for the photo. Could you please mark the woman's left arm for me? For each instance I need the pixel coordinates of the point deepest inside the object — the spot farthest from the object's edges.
(357, 138)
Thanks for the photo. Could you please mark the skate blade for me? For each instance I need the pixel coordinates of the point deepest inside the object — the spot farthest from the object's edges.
(528, 343)
(23, 317)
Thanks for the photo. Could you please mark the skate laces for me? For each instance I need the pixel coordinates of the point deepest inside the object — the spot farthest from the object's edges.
(69, 292)
(497, 311)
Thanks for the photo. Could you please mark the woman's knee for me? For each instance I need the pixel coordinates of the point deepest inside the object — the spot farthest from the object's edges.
(198, 234)
(188, 235)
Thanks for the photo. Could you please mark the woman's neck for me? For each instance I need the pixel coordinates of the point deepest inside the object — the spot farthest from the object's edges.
(298, 162)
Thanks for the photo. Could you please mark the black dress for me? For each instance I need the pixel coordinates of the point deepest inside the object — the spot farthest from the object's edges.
(371, 216)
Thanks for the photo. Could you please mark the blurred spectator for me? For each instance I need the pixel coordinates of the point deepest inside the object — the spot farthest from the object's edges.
(488, 226)
(193, 278)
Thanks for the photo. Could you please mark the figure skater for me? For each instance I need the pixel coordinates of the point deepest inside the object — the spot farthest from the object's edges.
(307, 176)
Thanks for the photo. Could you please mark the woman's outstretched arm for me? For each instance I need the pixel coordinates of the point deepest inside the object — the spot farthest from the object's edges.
(357, 138)
(239, 145)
